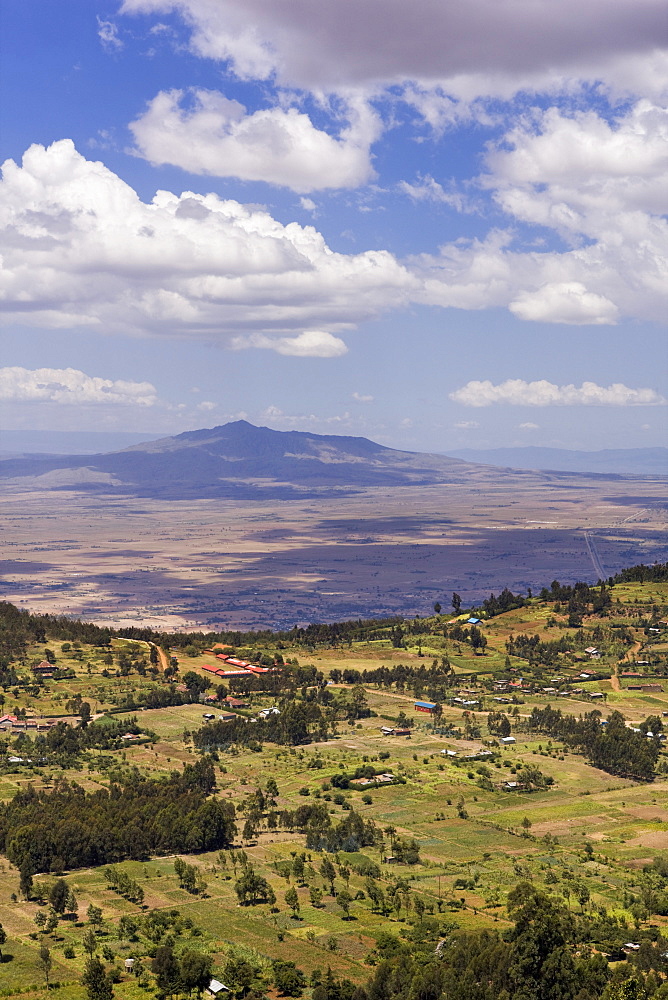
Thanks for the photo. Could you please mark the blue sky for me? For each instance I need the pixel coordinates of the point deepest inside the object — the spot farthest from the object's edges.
(439, 227)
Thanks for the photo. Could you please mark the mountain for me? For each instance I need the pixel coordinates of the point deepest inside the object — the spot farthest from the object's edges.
(619, 461)
(240, 461)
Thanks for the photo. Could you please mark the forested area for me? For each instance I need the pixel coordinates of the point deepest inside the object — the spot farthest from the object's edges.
(68, 827)
(609, 744)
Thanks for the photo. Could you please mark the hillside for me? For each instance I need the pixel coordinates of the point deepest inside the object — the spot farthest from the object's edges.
(310, 831)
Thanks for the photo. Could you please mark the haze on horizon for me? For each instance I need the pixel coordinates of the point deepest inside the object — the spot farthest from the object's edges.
(443, 230)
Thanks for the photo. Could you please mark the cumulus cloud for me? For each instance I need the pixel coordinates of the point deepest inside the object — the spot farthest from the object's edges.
(480, 46)
(81, 248)
(467, 425)
(529, 426)
(517, 392)
(601, 187)
(361, 398)
(309, 344)
(71, 387)
(205, 133)
(565, 302)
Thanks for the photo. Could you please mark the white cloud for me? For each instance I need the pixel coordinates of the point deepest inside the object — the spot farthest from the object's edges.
(472, 48)
(205, 133)
(107, 32)
(275, 417)
(529, 426)
(467, 425)
(71, 387)
(360, 398)
(81, 248)
(309, 344)
(565, 302)
(428, 189)
(517, 392)
(206, 405)
(601, 188)
(308, 205)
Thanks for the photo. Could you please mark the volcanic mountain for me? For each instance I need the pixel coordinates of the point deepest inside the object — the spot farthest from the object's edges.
(241, 461)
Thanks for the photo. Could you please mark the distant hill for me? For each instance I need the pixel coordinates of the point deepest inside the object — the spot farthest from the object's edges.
(619, 461)
(239, 460)
(17, 443)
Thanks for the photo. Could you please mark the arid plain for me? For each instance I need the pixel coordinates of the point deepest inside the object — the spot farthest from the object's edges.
(190, 564)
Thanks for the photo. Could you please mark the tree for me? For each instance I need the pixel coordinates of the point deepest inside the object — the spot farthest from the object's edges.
(344, 899)
(166, 970)
(195, 971)
(58, 895)
(292, 900)
(437, 607)
(25, 881)
(3, 938)
(95, 979)
(328, 872)
(45, 961)
(128, 927)
(456, 603)
(288, 979)
(252, 888)
(72, 903)
(89, 941)
(84, 714)
(94, 914)
(239, 973)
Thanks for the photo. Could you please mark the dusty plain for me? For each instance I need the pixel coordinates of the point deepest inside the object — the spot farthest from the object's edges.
(192, 564)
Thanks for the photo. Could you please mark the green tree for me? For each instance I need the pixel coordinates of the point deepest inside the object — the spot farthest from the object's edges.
(166, 969)
(344, 899)
(58, 895)
(292, 900)
(195, 971)
(456, 603)
(45, 961)
(3, 938)
(89, 941)
(95, 979)
(328, 872)
(94, 915)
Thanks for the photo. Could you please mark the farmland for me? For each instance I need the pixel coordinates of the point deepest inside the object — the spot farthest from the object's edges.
(453, 834)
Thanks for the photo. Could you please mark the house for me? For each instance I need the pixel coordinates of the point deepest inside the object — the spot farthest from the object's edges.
(508, 740)
(473, 621)
(129, 964)
(425, 706)
(266, 712)
(215, 988)
(208, 716)
(227, 717)
(449, 753)
(235, 702)
(131, 738)
(511, 786)
(44, 669)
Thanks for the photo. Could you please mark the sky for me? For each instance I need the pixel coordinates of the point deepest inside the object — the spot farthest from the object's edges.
(437, 225)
